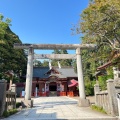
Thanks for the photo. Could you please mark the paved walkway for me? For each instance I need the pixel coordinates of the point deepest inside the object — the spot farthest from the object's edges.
(46, 108)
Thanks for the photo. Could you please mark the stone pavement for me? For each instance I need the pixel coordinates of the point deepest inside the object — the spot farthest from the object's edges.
(64, 108)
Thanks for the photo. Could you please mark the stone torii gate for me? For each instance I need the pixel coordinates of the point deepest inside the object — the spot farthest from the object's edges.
(82, 100)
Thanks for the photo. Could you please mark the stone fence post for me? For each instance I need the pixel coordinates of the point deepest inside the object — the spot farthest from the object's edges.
(118, 99)
(112, 97)
(3, 85)
(13, 89)
(96, 90)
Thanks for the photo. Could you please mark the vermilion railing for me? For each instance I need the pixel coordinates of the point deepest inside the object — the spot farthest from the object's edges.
(62, 93)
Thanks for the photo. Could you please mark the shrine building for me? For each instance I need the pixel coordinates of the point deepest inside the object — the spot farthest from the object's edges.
(54, 82)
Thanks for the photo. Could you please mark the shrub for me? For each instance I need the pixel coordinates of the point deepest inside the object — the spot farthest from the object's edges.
(18, 104)
(6, 114)
(102, 81)
(9, 112)
(89, 88)
(97, 108)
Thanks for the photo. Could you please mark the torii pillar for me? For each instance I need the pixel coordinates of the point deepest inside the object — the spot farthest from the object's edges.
(28, 102)
(83, 102)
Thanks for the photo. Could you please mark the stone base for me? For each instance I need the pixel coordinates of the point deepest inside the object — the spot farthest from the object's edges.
(27, 103)
(83, 102)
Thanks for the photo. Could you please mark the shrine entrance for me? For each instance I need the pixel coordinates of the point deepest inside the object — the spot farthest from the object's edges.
(83, 102)
(53, 87)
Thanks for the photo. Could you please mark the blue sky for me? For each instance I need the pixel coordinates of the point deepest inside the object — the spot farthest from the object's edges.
(44, 21)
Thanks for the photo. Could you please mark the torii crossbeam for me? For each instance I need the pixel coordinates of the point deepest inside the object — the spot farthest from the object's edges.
(55, 56)
(54, 46)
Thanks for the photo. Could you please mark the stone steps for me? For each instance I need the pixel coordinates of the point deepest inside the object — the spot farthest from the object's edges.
(53, 93)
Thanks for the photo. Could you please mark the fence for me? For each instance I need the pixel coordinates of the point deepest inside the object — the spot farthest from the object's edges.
(7, 98)
(107, 99)
(102, 100)
(10, 100)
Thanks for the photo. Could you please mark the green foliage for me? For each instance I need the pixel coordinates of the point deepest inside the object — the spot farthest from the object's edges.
(45, 63)
(54, 62)
(100, 25)
(3, 26)
(18, 104)
(97, 108)
(102, 81)
(89, 87)
(89, 68)
(74, 65)
(9, 112)
(10, 58)
(37, 63)
(62, 62)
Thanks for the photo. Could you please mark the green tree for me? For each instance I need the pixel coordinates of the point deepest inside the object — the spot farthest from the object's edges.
(3, 26)
(99, 24)
(54, 62)
(10, 58)
(37, 63)
(45, 63)
(65, 62)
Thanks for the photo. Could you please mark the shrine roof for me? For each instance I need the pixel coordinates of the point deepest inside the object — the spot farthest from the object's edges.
(104, 65)
(67, 72)
(40, 72)
(64, 72)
